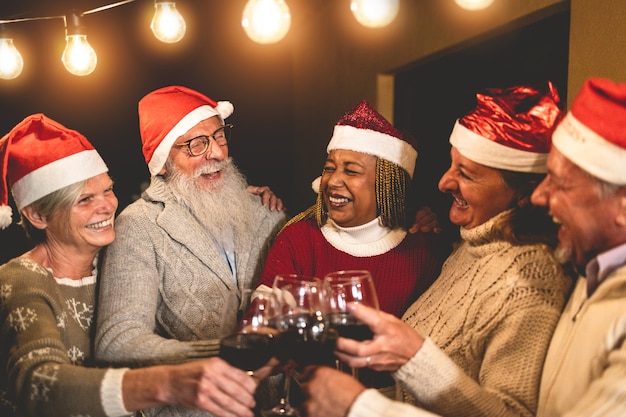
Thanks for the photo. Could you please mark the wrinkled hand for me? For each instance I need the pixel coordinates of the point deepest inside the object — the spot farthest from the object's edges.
(328, 392)
(215, 386)
(425, 221)
(394, 342)
(268, 198)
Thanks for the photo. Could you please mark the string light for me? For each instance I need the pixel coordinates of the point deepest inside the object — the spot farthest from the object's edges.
(473, 4)
(79, 58)
(167, 24)
(375, 13)
(266, 21)
(11, 61)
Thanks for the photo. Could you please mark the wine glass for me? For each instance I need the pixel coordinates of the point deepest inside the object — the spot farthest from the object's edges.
(253, 341)
(344, 288)
(284, 408)
(306, 336)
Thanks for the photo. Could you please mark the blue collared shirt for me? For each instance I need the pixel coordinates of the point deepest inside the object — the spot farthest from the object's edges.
(602, 265)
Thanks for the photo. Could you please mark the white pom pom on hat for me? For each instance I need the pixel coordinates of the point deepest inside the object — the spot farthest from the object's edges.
(40, 156)
(169, 112)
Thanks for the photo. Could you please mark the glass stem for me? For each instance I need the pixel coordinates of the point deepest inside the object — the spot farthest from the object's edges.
(286, 387)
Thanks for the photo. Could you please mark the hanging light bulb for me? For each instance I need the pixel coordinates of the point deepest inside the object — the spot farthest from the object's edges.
(375, 13)
(11, 61)
(266, 21)
(473, 4)
(79, 57)
(167, 24)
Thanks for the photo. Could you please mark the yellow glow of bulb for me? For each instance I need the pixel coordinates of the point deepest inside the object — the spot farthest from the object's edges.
(168, 24)
(11, 61)
(266, 21)
(375, 13)
(473, 4)
(79, 57)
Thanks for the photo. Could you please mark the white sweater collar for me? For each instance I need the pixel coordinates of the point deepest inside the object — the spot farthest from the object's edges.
(369, 239)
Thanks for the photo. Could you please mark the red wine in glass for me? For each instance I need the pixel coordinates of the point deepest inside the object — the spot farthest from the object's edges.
(248, 351)
(307, 339)
(349, 327)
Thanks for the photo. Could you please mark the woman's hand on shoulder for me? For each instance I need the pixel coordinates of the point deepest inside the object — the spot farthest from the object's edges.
(425, 221)
(268, 198)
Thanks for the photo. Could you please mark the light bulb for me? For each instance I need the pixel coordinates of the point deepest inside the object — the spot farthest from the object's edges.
(11, 61)
(375, 13)
(167, 24)
(473, 4)
(79, 57)
(266, 21)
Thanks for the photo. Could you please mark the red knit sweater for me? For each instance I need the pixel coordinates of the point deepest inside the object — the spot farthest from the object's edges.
(400, 275)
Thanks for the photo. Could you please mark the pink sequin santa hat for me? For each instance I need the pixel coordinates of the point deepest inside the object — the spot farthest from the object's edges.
(510, 128)
(593, 134)
(169, 112)
(363, 129)
(40, 156)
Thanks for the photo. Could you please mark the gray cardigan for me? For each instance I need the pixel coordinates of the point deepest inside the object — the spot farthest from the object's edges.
(164, 282)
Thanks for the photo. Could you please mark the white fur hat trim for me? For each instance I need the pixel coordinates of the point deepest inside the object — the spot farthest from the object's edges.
(374, 143)
(492, 154)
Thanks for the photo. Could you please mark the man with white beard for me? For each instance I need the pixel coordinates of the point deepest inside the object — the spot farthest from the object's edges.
(194, 236)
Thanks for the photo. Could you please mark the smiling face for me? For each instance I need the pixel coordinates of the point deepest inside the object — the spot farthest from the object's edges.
(205, 169)
(348, 187)
(587, 219)
(479, 191)
(87, 224)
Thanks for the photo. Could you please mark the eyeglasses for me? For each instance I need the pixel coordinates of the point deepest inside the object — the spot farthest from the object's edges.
(200, 144)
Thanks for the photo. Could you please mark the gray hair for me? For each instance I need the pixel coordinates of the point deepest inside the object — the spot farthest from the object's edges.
(49, 205)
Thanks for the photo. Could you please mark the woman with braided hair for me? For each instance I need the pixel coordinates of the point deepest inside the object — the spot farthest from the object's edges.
(360, 218)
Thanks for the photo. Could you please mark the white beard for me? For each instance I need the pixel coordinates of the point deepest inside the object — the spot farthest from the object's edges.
(223, 206)
(563, 253)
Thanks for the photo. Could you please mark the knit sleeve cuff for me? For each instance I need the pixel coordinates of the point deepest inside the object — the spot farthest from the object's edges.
(429, 373)
(111, 393)
(371, 403)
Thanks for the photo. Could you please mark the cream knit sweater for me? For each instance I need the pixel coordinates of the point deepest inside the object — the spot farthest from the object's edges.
(489, 318)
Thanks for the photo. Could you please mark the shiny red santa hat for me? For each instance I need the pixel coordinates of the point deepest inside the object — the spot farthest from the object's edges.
(363, 129)
(40, 156)
(593, 133)
(510, 128)
(167, 113)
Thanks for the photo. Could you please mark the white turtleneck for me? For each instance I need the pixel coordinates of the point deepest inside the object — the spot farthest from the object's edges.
(369, 239)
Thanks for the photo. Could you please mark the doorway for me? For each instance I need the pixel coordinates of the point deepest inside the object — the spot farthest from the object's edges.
(431, 94)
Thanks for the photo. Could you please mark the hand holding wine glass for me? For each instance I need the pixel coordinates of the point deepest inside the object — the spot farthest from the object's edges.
(253, 341)
(344, 288)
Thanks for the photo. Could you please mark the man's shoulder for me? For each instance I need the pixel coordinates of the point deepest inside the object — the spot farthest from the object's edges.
(272, 218)
(140, 208)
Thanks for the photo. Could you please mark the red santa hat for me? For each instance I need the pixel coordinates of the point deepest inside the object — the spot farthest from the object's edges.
(510, 128)
(167, 113)
(593, 134)
(363, 129)
(40, 156)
